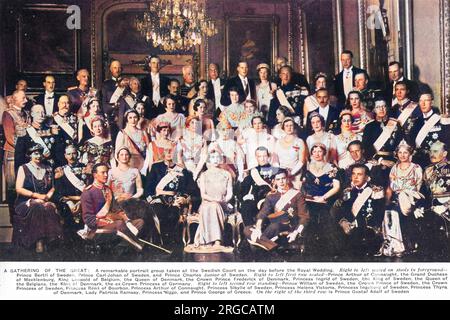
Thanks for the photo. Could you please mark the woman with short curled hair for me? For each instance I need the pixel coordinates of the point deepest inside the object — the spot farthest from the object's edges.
(290, 151)
(321, 136)
(36, 220)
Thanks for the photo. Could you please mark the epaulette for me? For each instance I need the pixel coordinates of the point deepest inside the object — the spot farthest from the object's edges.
(72, 88)
(377, 192)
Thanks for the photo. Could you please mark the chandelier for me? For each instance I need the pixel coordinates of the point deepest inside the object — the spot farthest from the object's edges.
(175, 24)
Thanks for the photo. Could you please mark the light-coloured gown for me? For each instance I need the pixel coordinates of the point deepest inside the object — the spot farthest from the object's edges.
(216, 189)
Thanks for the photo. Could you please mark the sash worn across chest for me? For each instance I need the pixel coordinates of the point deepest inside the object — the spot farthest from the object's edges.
(65, 126)
(73, 179)
(361, 200)
(257, 178)
(170, 176)
(385, 135)
(37, 139)
(285, 199)
(406, 113)
(426, 128)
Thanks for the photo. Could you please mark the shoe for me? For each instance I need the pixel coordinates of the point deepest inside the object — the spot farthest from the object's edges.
(39, 246)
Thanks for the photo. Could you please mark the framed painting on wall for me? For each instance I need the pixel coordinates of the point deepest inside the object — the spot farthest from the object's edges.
(253, 39)
(45, 43)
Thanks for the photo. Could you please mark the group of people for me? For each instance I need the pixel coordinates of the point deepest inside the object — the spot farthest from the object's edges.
(339, 163)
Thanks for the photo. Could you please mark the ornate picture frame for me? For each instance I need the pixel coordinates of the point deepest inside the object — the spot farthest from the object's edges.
(240, 43)
(45, 43)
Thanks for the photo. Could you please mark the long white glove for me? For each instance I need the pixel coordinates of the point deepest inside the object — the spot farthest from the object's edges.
(256, 234)
(293, 235)
(418, 213)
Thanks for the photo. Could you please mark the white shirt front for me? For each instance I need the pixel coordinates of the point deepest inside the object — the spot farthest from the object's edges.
(217, 92)
(49, 99)
(155, 84)
(324, 112)
(348, 80)
(245, 85)
(428, 114)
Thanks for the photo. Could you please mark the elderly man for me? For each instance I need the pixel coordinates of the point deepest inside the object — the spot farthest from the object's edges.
(70, 181)
(256, 186)
(246, 87)
(188, 87)
(39, 132)
(110, 86)
(14, 121)
(215, 84)
(154, 85)
(78, 94)
(436, 209)
(428, 128)
(49, 99)
(297, 78)
(66, 124)
(129, 100)
(289, 94)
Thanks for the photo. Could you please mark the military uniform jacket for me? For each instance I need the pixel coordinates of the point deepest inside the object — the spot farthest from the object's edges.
(32, 137)
(67, 185)
(108, 88)
(294, 97)
(365, 205)
(249, 186)
(67, 134)
(372, 132)
(437, 181)
(76, 96)
(295, 208)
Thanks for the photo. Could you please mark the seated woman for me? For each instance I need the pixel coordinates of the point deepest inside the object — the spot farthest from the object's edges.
(360, 115)
(320, 186)
(125, 180)
(344, 138)
(311, 103)
(99, 148)
(320, 182)
(231, 151)
(321, 136)
(190, 145)
(290, 151)
(282, 113)
(205, 120)
(216, 189)
(176, 120)
(399, 228)
(36, 220)
(135, 139)
(250, 111)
